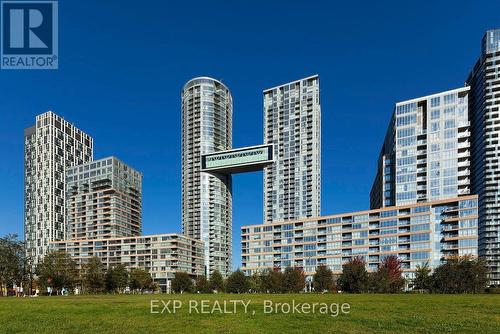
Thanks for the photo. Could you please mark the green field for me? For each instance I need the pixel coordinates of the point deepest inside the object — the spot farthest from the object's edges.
(369, 313)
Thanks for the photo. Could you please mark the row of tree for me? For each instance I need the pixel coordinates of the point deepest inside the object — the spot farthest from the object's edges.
(58, 270)
(291, 280)
(457, 275)
(388, 278)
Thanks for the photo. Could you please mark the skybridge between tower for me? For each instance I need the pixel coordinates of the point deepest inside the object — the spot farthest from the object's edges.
(239, 160)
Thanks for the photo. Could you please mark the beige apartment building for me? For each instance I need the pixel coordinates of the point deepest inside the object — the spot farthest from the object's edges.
(162, 255)
(418, 233)
(104, 200)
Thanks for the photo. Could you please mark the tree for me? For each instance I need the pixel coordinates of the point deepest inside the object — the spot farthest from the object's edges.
(182, 282)
(460, 275)
(57, 270)
(294, 280)
(422, 280)
(202, 285)
(354, 277)
(94, 279)
(255, 283)
(117, 278)
(216, 281)
(388, 277)
(12, 261)
(237, 282)
(475, 274)
(272, 281)
(140, 279)
(323, 279)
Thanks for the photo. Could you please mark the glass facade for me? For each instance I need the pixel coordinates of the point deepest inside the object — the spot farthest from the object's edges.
(207, 112)
(427, 156)
(484, 104)
(292, 122)
(418, 234)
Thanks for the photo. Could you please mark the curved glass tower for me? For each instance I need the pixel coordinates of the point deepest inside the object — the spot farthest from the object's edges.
(207, 113)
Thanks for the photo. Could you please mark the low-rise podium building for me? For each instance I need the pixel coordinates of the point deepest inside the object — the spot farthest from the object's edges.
(417, 234)
(161, 255)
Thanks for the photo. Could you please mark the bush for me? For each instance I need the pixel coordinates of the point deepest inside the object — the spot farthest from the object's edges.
(493, 290)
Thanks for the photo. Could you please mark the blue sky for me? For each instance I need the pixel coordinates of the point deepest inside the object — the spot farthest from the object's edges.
(123, 64)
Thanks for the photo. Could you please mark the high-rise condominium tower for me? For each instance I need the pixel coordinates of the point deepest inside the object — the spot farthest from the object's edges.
(51, 146)
(292, 122)
(426, 152)
(103, 200)
(207, 113)
(485, 127)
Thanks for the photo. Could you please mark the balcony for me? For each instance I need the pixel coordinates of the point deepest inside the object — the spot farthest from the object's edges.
(464, 145)
(463, 164)
(464, 191)
(464, 173)
(463, 134)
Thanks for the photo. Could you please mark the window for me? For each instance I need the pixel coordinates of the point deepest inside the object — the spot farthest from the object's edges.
(434, 126)
(419, 209)
(449, 123)
(388, 213)
(435, 114)
(468, 204)
(389, 223)
(467, 242)
(419, 255)
(420, 237)
(406, 120)
(449, 99)
(435, 101)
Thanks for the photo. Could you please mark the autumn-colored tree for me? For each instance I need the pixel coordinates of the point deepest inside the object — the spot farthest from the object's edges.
(293, 280)
(388, 277)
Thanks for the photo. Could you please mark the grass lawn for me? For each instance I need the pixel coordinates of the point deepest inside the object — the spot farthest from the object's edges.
(368, 313)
